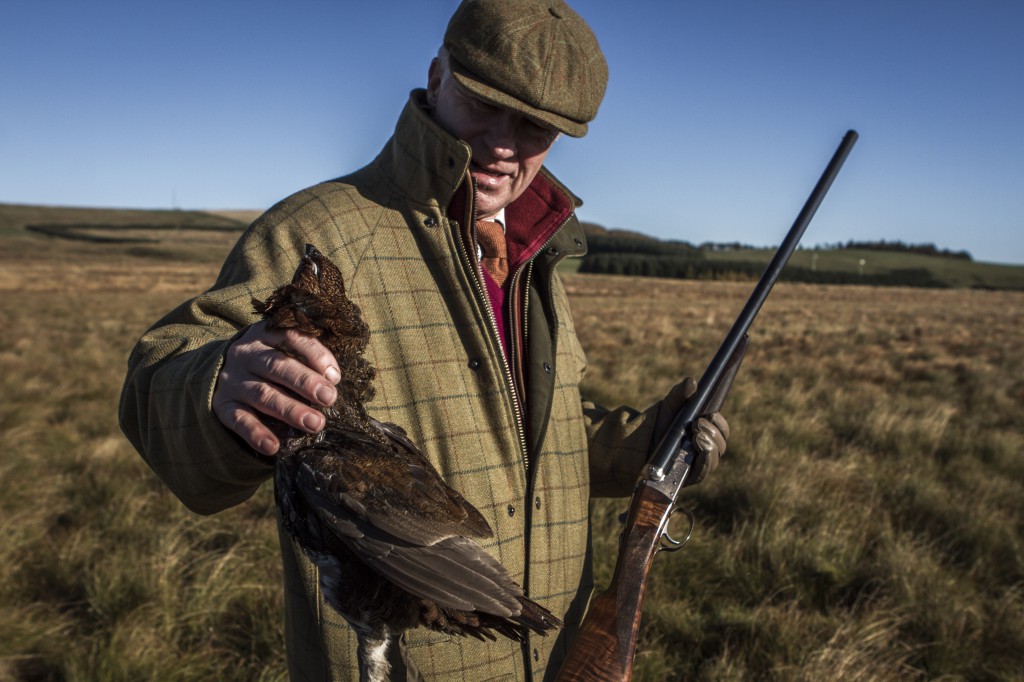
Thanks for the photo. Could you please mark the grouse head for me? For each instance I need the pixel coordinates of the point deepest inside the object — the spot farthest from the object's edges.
(315, 303)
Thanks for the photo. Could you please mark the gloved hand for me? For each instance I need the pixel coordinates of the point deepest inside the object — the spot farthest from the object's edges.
(709, 433)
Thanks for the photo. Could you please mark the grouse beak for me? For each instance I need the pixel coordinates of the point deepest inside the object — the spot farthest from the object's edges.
(313, 255)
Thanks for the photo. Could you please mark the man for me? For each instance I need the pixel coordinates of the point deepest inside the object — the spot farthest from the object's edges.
(473, 341)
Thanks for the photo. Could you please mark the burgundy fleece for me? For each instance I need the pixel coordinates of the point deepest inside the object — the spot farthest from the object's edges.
(530, 221)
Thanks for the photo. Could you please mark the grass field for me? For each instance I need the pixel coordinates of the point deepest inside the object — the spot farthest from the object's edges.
(866, 523)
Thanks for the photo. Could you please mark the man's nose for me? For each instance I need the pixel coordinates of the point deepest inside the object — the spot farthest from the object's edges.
(501, 135)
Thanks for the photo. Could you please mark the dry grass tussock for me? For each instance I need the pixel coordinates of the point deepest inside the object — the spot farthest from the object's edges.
(865, 525)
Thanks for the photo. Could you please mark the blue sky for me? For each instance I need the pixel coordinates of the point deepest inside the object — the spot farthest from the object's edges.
(718, 119)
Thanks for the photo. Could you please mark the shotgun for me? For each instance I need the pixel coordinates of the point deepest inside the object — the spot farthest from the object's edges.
(606, 644)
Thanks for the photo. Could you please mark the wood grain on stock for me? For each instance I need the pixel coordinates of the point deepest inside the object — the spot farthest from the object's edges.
(606, 644)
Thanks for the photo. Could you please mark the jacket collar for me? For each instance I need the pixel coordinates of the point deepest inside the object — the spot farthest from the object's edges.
(425, 162)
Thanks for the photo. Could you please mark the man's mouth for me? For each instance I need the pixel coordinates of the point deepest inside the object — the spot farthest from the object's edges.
(488, 177)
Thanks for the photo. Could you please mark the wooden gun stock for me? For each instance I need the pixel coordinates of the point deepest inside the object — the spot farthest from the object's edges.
(606, 644)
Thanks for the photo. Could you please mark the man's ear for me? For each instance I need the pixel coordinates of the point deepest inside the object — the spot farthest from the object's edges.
(434, 81)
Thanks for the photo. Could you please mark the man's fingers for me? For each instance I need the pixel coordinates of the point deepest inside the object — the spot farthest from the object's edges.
(279, 368)
(311, 352)
(273, 402)
(246, 424)
(244, 407)
(709, 439)
(709, 436)
(719, 421)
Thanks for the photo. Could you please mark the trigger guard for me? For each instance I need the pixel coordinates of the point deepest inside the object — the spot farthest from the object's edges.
(667, 542)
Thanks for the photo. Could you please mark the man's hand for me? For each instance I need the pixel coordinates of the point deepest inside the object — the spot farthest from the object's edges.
(278, 374)
(710, 433)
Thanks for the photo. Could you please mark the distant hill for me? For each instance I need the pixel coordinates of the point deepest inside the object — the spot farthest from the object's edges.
(163, 234)
(881, 263)
(22, 215)
(595, 230)
(206, 235)
(242, 215)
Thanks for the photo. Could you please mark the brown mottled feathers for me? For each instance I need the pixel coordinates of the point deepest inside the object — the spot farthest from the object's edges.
(396, 547)
(315, 303)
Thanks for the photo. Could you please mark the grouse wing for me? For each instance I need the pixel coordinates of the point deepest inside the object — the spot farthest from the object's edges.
(392, 509)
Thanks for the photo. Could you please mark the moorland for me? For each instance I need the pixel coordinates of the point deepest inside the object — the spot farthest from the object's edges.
(865, 524)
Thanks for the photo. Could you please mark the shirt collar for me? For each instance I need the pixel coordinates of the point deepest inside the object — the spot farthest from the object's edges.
(500, 219)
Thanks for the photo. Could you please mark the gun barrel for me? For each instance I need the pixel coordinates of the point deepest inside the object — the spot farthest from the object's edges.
(669, 446)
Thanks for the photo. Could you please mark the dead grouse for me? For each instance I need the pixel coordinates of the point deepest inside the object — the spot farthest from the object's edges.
(396, 547)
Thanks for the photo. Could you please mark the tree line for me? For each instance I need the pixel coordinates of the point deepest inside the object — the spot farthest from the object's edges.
(644, 257)
(926, 249)
(698, 267)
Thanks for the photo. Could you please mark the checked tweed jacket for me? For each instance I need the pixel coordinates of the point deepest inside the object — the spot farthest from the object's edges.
(441, 377)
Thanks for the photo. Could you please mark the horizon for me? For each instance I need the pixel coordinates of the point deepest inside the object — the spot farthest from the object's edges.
(716, 124)
(229, 213)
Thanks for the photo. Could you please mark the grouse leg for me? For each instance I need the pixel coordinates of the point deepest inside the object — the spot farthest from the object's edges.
(372, 649)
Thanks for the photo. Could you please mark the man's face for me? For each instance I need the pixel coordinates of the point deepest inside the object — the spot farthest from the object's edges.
(508, 147)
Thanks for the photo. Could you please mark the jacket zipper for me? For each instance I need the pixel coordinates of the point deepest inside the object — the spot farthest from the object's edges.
(484, 300)
(509, 376)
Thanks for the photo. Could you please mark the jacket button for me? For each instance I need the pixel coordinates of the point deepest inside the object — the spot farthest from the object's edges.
(474, 363)
(511, 510)
(552, 251)
(547, 368)
(578, 241)
(451, 162)
(536, 655)
(537, 503)
(430, 222)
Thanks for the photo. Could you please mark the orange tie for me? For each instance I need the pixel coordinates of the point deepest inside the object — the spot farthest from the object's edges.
(491, 238)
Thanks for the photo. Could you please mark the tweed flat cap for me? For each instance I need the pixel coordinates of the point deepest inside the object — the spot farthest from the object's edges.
(537, 57)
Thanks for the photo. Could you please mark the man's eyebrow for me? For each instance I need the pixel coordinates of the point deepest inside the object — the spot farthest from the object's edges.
(480, 100)
(464, 91)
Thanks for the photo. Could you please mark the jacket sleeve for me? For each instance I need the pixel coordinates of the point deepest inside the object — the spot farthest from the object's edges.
(165, 407)
(620, 442)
